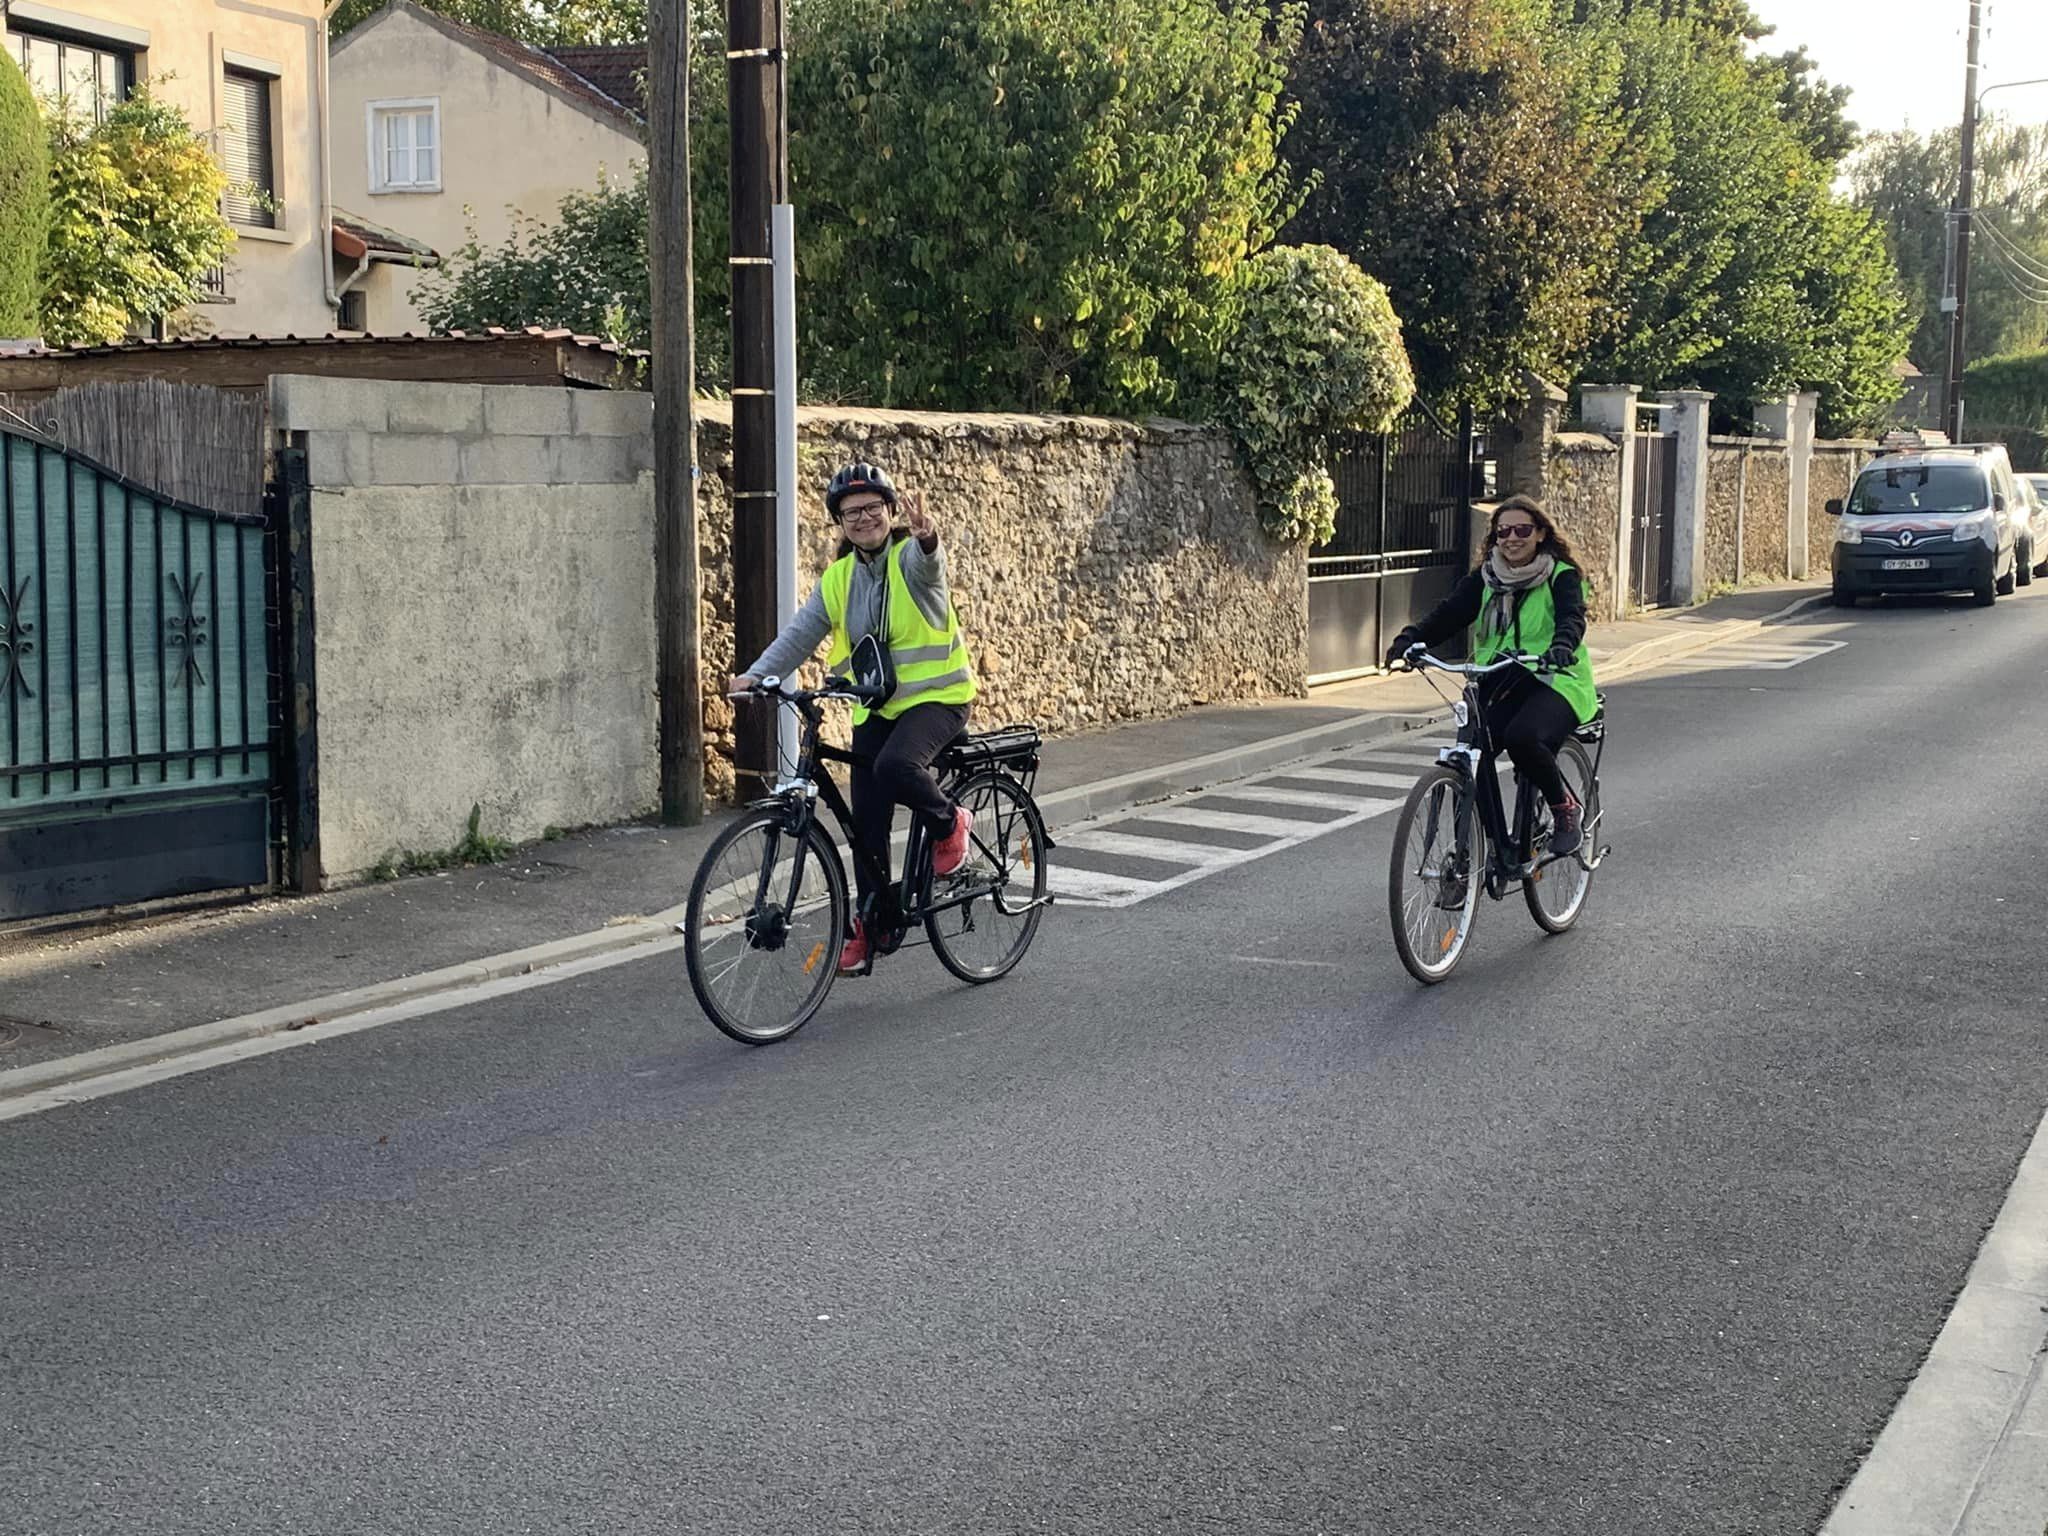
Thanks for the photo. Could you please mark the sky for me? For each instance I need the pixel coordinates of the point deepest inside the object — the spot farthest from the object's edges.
(1903, 59)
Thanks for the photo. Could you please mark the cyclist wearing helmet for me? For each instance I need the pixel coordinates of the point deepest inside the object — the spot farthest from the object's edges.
(1527, 596)
(889, 585)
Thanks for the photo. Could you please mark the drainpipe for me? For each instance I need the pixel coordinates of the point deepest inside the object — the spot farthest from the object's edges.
(325, 128)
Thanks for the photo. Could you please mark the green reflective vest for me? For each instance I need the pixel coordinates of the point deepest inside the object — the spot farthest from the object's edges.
(1530, 630)
(931, 664)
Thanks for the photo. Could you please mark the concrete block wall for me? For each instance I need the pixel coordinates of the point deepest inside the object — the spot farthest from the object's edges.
(483, 609)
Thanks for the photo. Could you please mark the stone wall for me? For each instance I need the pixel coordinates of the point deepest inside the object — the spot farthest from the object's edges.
(484, 588)
(1748, 486)
(1581, 491)
(1765, 556)
(1104, 571)
(1833, 474)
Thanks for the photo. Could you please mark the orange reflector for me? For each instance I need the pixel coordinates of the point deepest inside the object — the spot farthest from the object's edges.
(1024, 855)
(817, 954)
(1450, 938)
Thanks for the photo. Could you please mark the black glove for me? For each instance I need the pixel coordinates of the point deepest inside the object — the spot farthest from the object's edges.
(1399, 649)
(1560, 658)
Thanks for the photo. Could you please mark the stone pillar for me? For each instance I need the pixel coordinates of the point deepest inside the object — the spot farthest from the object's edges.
(1688, 420)
(1527, 463)
(1611, 409)
(1790, 421)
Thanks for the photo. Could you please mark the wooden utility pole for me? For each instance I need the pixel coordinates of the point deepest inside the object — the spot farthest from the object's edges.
(679, 660)
(1966, 202)
(754, 96)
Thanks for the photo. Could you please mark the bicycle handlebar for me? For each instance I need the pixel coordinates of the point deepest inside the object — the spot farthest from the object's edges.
(1417, 656)
(835, 688)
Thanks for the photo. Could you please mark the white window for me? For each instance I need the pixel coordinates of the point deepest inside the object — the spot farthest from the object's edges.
(405, 146)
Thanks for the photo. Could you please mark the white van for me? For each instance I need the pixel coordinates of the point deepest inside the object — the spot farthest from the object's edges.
(1931, 520)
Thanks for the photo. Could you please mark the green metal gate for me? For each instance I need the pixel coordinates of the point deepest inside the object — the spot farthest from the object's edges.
(138, 716)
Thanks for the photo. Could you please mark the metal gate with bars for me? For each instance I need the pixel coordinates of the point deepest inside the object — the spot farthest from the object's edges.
(1401, 541)
(1653, 519)
(138, 706)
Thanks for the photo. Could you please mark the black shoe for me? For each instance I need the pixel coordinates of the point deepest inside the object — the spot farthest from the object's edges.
(1566, 832)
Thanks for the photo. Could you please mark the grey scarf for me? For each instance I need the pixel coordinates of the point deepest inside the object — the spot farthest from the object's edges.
(1505, 582)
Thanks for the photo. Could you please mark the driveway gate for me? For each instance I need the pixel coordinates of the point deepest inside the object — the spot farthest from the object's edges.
(1400, 544)
(1654, 520)
(138, 735)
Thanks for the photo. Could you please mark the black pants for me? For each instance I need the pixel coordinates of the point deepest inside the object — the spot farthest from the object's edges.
(897, 770)
(1530, 720)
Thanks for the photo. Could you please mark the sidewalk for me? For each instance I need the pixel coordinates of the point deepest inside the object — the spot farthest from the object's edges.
(86, 990)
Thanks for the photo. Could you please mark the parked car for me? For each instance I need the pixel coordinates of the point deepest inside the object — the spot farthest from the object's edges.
(2035, 486)
(1939, 519)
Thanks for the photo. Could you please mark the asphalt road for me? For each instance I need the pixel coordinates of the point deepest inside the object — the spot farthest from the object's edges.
(1206, 1220)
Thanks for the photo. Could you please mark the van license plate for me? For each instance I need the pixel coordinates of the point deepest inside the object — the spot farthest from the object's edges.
(1905, 565)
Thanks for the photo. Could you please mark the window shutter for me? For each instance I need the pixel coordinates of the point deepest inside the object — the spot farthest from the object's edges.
(245, 150)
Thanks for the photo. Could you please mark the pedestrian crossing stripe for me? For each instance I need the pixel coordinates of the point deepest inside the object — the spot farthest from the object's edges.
(1774, 655)
(1354, 795)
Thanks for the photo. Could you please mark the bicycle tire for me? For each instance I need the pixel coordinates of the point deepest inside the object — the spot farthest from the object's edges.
(1411, 892)
(819, 961)
(1577, 769)
(1004, 841)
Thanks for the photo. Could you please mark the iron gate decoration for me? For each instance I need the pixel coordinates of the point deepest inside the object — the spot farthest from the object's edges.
(1401, 541)
(1653, 519)
(138, 714)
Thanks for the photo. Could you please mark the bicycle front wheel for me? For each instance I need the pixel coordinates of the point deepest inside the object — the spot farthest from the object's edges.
(1434, 880)
(764, 927)
(1003, 880)
(1557, 890)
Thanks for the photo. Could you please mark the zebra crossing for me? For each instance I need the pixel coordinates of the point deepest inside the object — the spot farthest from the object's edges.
(1134, 855)
(1774, 655)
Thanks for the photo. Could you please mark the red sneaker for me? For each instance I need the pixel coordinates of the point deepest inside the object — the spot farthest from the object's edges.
(950, 851)
(853, 955)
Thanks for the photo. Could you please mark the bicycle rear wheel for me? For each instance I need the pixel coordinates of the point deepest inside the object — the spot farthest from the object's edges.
(1437, 870)
(1557, 891)
(986, 936)
(761, 940)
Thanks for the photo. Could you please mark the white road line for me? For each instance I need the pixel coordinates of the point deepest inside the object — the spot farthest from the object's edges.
(1102, 840)
(1336, 777)
(1281, 827)
(1302, 797)
(87, 1089)
(1089, 885)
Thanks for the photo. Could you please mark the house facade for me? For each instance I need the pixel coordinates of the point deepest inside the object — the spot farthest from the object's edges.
(441, 129)
(250, 77)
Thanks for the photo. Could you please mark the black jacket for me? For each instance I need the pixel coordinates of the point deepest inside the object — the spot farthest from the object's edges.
(1460, 611)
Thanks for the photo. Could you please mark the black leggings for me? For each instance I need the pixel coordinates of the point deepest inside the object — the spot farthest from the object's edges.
(896, 769)
(1531, 720)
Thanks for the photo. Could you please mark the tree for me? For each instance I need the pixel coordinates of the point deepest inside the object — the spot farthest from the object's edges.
(1469, 169)
(1908, 183)
(1816, 111)
(2010, 391)
(135, 221)
(24, 202)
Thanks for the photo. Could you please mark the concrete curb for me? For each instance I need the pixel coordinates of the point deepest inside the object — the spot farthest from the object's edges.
(1062, 807)
(1965, 1453)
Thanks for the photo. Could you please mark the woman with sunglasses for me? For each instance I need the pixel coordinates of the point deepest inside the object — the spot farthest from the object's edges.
(1527, 596)
(888, 585)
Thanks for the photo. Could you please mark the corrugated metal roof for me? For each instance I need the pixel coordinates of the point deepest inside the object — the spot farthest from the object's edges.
(346, 339)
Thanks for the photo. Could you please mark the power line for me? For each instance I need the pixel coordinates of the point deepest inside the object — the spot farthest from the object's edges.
(2013, 248)
(2018, 280)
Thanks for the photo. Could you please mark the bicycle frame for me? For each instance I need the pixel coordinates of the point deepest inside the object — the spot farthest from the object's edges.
(1474, 757)
(892, 907)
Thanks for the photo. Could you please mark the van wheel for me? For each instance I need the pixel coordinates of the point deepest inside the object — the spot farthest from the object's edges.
(2023, 565)
(2009, 580)
(1844, 598)
(1986, 595)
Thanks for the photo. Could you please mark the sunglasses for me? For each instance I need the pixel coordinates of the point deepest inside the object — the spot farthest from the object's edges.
(1513, 530)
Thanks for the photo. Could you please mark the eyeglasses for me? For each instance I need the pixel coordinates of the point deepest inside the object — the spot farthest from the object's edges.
(851, 514)
(1513, 530)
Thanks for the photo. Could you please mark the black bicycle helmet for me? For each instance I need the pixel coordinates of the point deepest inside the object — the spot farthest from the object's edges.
(861, 476)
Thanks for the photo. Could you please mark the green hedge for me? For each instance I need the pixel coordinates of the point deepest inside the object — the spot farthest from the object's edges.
(24, 202)
(2012, 389)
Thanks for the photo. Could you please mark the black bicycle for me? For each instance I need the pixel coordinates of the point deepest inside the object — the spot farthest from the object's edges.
(1444, 854)
(768, 910)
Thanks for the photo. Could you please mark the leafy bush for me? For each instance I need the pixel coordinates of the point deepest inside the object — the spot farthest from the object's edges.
(1317, 352)
(135, 221)
(24, 201)
(2008, 391)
